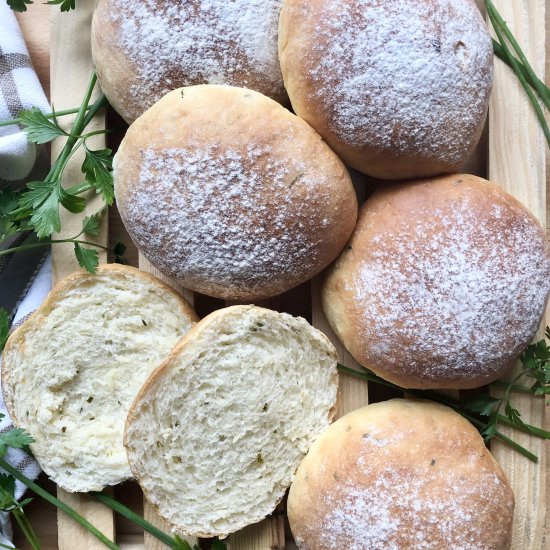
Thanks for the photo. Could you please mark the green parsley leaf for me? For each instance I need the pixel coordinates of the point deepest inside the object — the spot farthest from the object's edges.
(90, 225)
(45, 219)
(16, 438)
(19, 5)
(87, 258)
(218, 545)
(484, 405)
(8, 203)
(7, 492)
(97, 168)
(66, 5)
(38, 128)
(72, 203)
(4, 328)
(38, 192)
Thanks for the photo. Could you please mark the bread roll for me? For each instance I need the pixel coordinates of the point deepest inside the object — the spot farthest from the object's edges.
(216, 434)
(229, 193)
(401, 474)
(397, 89)
(443, 284)
(72, 370)
(145, 48)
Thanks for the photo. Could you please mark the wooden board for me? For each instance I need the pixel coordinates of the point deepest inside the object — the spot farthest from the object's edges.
(517, 162)
(515, 158)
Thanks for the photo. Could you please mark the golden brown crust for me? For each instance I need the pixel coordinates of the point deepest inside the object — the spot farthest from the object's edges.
(142, 50)
(239, 199)
(75, 279)
(401, 474)
(398, 90)
(443, 284)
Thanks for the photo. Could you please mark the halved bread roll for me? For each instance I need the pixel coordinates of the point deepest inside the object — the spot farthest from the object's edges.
(71, 372)
(217, 432)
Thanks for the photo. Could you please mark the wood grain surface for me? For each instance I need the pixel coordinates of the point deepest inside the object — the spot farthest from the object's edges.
(516, 160)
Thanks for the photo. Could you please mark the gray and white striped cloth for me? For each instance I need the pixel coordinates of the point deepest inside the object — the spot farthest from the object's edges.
(20, 162)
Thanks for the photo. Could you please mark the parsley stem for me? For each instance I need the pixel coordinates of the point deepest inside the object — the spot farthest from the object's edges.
(514, 388)
(48, 243)
(54, 114)
(449, 402)
(527, 428)
(133, 517)
(58, 503)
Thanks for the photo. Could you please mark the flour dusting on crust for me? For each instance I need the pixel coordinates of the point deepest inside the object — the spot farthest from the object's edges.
(452, 293)
(177, 43)
(411, 77)
(241, 219)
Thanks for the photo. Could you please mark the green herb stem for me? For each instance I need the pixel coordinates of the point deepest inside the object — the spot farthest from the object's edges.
(513, 62)
(58, 503)
(515, 388)
(55, 114)
(526, 69)
(48, 243)
(26, 528)
(133, 517)
(450, 402)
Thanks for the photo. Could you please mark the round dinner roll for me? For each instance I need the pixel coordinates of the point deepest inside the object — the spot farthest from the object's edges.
(401, 475)
(143, 49)
(398, 89)
(443, 284)
(216, 433)
(229, 193)
(72, 370)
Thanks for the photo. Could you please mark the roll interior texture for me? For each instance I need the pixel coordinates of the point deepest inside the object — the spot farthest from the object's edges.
(398, 89)
(144, 49)
(443, 284)
(229, 193)
(217, 432)
(72, 370)
(401, 474)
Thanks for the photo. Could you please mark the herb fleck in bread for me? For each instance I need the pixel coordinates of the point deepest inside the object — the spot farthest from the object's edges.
(71, 372)
(217, 432)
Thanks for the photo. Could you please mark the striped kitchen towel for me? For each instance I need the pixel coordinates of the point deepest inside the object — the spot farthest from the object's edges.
(20, 161)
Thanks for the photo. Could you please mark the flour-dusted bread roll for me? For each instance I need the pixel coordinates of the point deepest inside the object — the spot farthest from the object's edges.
(401, 475)
(72, 370)
(397, 89)
(143, 49)
(217, 432)
(229, 193)
(443, 284)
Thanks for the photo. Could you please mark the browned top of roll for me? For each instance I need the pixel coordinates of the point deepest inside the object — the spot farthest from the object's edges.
(443, 284)
(231, 194)
(143, 49)
(398, 89)
(401, 474)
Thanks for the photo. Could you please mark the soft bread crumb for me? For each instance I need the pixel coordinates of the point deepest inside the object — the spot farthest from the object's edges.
(72, 370)
(216, 434)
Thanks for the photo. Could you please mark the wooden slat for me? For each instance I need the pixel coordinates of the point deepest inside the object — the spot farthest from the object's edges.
(517, 162)
(70, 55)
(150, 542)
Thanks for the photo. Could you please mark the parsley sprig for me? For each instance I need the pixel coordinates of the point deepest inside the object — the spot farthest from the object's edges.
(536, 366)
(37, 208)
